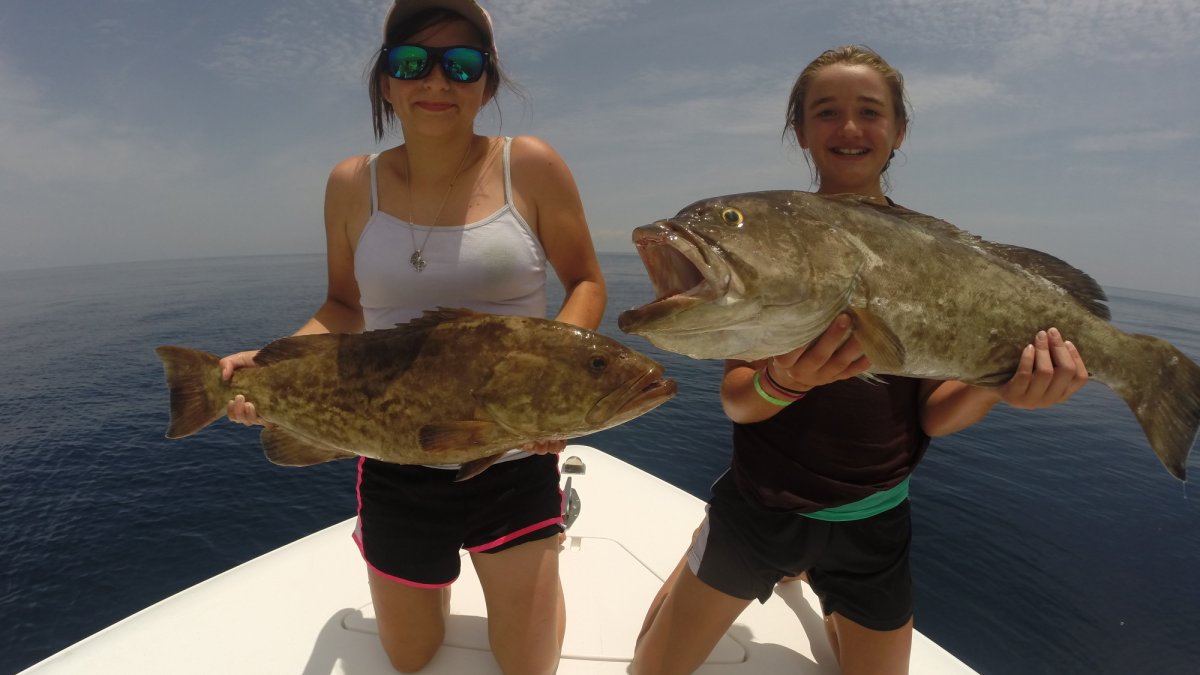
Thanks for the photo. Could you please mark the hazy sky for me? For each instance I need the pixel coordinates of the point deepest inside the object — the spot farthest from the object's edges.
(151, 129)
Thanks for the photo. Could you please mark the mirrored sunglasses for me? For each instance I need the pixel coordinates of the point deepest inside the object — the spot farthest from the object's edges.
(415, 62)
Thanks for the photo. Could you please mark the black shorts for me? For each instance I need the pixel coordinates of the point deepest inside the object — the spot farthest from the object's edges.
(414, 520)
(858, 568)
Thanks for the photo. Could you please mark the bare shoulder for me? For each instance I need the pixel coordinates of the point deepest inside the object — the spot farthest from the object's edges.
(348, 190)
(349, 172)
(348, 198)
(532, 154)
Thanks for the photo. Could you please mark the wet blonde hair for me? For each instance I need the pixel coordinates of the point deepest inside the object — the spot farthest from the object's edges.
(853, 55)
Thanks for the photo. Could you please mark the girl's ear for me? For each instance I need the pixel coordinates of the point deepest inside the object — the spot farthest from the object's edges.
(899, 137)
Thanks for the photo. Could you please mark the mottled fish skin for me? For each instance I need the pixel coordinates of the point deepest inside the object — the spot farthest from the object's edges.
(452, 387)
(753, 275)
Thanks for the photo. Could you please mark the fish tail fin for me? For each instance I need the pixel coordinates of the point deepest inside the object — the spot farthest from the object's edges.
(194, 380)
(1168, 404)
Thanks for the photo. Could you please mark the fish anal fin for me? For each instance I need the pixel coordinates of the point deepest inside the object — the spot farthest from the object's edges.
(443, 436)
(993, 379)
(878, 341)
(476, 467)
(287, 448)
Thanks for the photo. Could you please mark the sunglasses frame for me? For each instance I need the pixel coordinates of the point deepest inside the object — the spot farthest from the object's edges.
(436, 55)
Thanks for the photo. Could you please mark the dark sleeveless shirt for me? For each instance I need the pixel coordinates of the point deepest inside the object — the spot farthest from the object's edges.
(841, 443)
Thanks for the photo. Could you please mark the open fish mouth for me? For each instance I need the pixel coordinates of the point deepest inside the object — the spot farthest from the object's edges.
(684, 269)
(638, 397)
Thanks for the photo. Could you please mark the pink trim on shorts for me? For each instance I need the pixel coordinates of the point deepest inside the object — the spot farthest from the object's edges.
(521, 532)
(357, 537)
(562, 498)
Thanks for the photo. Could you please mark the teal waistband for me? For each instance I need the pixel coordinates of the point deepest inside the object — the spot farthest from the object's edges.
(864, 508)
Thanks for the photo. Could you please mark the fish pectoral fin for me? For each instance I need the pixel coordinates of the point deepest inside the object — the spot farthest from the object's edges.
(455, 435)
(878, 341)
(476, 467)
(287, 448)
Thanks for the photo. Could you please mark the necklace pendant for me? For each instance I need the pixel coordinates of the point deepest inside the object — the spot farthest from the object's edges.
(417, 261)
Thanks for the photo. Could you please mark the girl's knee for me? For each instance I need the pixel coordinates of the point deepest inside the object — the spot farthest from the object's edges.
(408, 658)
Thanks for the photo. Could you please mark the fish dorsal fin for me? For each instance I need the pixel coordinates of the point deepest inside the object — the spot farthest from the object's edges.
(295, 347)
(1077, 283)
(1074, 281)
(434, 317)
(287, 448)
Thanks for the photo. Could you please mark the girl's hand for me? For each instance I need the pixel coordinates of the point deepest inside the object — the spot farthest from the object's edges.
(1050, 372)
(824, 360)
(239, 409)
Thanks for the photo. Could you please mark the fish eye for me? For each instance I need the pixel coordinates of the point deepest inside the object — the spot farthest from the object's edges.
(733, 217)
(597, 363)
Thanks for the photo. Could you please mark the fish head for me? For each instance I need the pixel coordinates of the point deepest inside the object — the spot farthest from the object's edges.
(571, 381)
(738, 274)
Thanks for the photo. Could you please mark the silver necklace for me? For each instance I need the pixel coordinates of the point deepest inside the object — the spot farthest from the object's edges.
(416, 259)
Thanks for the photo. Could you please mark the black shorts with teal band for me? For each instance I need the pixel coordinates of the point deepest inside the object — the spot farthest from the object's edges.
(858, 568)
(413, 521)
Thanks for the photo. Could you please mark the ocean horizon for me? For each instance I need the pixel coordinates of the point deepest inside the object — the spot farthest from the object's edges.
(1044, 542)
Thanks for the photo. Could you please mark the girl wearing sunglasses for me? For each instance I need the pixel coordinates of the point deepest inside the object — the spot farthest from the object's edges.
(454, 219)
(818, 484)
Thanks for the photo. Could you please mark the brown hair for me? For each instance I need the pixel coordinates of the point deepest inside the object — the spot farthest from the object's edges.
(854, 55)
(399, 31)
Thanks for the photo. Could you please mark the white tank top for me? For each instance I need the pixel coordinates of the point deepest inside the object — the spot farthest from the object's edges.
(495, 265)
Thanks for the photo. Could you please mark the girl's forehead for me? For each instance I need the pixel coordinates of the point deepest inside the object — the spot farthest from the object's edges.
(845, 79)
(453, 32)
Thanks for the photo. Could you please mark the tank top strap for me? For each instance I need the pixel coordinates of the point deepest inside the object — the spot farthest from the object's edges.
(508, 195)
(375, 182)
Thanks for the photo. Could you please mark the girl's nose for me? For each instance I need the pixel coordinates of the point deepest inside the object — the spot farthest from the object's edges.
(437, 78)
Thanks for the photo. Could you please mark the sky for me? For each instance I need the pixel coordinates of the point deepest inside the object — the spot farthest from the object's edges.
(158, 129)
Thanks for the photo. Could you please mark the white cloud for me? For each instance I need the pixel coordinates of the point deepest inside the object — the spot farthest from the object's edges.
(538, 25)
(311, 39)
(936, 91)
(1135, 140)
(44, 144)
(316, 39)
(1028, 32)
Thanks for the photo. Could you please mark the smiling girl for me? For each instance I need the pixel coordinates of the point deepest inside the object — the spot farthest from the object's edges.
(818, 482)
(451, 218)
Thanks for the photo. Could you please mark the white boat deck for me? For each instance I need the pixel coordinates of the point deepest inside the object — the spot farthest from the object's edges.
(305, 608)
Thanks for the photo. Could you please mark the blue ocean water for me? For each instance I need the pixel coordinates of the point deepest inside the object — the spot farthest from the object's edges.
(1045, 542)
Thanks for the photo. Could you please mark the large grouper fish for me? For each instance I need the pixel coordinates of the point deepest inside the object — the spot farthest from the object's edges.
(451, 387)
(753, 275)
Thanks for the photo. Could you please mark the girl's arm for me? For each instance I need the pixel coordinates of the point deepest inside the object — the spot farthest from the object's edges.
(827, 359)
(555, 211)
